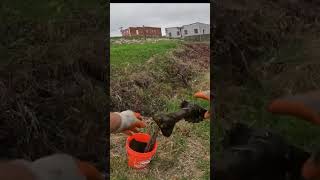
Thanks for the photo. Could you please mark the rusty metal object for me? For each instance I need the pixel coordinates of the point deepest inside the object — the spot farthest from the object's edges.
(189, 112)
(152, 141)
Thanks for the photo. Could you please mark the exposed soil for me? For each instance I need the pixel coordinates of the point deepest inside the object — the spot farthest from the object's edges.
(197, 53)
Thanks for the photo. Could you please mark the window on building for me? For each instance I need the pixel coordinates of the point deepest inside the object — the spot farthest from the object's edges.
(185, 31)
(196, 31)
(178, 33)
(137, 32)
(203, 31)
(170, 34)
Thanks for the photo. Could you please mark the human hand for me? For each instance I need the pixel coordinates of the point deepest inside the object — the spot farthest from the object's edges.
(130, 122)
(206, 96)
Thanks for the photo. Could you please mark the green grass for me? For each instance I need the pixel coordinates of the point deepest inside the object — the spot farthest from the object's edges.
(121, 54)
(174, 104)
(177, 157)
(186, 153)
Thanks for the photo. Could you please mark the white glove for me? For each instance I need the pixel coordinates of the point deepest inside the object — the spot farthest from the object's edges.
(58, 166)
(129, 122)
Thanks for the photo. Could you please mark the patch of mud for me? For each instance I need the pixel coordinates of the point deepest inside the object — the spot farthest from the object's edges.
(138, 146)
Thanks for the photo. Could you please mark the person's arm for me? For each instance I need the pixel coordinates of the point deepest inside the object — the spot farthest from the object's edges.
(125, 121)
(12, 171)
(115, 122)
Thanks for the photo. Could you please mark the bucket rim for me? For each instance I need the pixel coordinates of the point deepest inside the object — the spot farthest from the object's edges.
(147, 154)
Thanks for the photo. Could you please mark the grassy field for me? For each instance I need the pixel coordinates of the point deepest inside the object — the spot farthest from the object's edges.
(184, 155)
(138, 53)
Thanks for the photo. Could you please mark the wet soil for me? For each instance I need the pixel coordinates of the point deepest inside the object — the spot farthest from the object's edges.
(138, 146)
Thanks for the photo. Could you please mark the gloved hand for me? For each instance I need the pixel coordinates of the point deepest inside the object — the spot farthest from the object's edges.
(58, 166)
(130, 121)
(206, 96)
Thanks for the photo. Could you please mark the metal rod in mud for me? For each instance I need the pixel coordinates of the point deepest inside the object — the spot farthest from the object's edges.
(152, 140)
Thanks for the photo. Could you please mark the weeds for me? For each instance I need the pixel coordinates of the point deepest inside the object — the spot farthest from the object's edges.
(159, 85)
(134, 54)
(277, 44)
(52, 81)
(137, 88)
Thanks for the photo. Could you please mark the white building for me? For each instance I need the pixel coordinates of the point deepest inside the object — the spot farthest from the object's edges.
(173, 32)
(188, 30)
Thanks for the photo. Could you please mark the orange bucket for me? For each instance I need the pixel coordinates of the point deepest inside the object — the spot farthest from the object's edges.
(136, 159)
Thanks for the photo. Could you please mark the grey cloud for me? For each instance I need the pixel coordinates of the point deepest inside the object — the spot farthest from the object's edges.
(159, 15)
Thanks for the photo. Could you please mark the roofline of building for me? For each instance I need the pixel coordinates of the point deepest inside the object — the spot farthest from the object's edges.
(165, 28)
(186, 25)
(173, 27)
(144, 26)
(195, 23)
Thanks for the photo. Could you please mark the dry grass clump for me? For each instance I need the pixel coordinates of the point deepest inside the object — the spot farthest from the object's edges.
(147, 87)
(52, 89)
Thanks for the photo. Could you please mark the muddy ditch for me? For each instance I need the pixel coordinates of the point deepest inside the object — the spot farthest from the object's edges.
(147, 87)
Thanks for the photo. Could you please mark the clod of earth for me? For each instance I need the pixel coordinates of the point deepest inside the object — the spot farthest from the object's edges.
(138, 146)
(189, 112)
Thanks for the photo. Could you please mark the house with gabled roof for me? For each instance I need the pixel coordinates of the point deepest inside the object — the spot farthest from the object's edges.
(193, 29)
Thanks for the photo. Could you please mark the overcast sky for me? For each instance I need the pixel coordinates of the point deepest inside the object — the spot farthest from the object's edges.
(158, 15)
